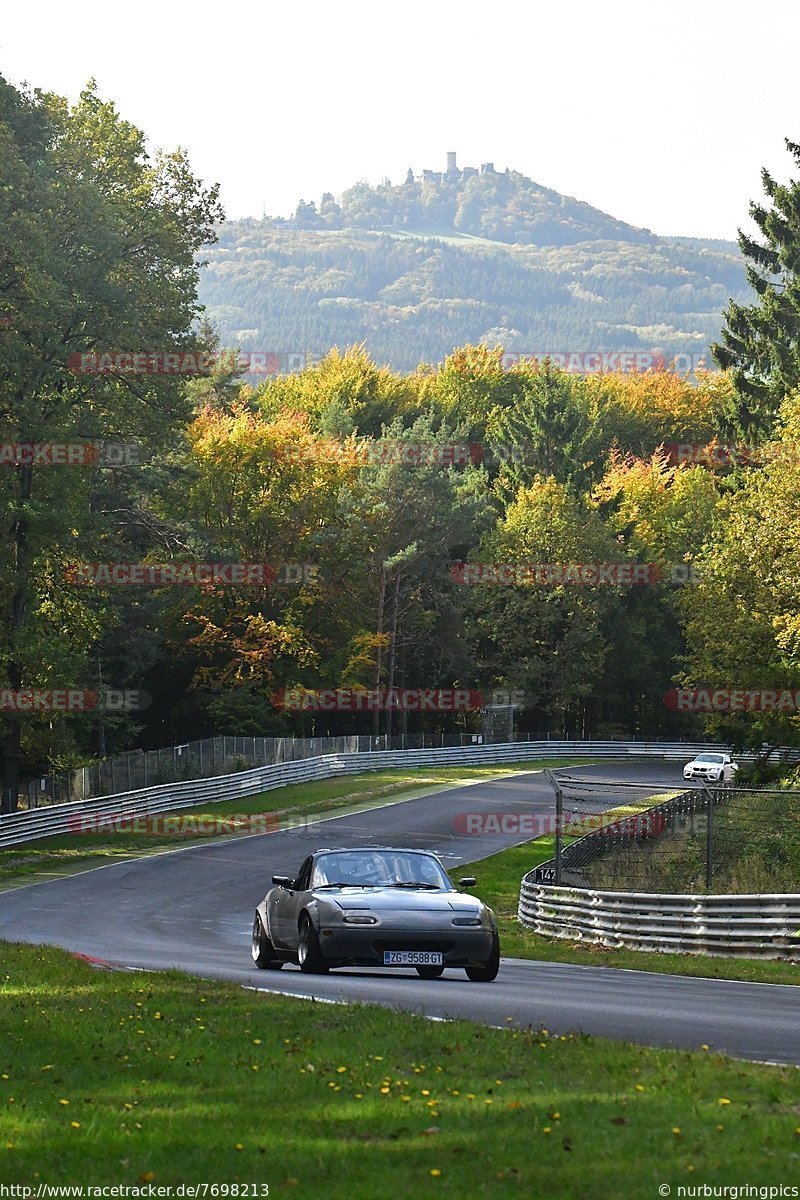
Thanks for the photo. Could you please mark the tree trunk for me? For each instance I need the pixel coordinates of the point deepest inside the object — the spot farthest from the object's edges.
(19, 599)
(392, 654)
(376, 716)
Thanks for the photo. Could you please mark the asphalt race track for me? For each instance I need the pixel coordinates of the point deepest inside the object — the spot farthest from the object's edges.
(192, 909)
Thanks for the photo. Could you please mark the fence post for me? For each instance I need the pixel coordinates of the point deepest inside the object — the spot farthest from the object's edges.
(559, 822)
(709, 836)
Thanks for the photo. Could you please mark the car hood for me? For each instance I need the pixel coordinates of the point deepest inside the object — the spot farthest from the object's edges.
(408, 899)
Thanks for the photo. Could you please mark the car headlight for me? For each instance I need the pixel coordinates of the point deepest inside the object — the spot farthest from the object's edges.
(360, 919)
(467, 921)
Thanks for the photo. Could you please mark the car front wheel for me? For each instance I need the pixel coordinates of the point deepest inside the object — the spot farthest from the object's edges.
(309, 952)
(429, 972)
(262, 949)
(487, 971)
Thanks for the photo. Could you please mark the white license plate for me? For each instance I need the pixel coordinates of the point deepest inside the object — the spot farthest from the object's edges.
(412, 958)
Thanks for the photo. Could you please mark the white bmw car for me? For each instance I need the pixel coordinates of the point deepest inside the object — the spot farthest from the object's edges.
(714, 767)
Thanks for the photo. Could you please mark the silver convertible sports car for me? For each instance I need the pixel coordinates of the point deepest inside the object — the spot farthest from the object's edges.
(375, 907)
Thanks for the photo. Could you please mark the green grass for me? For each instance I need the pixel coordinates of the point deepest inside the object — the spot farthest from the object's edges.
(123, 1078)
(499, 878)
(48, 858)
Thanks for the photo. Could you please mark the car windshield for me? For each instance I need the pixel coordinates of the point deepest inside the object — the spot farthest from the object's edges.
(379, 868)
(710, 758)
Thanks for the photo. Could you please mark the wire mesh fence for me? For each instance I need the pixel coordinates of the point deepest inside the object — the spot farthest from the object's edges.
(209, 757)
(707, 838)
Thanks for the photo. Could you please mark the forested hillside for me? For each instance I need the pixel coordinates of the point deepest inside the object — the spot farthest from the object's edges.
(351, 528)
(413, 271)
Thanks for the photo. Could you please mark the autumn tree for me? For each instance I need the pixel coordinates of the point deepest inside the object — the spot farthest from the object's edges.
(761, 341)
(97, 253)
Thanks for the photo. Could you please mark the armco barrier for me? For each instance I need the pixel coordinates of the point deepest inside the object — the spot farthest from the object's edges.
(766, 926)
(27, 826)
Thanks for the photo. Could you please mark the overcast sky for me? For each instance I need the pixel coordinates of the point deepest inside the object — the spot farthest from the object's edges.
(661, 114)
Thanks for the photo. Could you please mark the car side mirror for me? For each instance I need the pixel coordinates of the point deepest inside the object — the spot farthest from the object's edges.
(467, 881)
(284, 881)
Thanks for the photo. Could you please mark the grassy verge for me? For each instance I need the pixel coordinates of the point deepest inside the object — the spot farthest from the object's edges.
(109, 1078)
(498, 885)
(63, 855)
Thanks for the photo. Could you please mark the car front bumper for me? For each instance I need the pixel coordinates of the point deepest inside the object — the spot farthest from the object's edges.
(364, 945)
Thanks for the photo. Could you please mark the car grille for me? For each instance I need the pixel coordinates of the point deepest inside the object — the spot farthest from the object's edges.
(413, 943)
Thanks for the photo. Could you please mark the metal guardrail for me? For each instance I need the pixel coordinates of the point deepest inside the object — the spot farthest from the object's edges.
(751, 926)
(26, 826)
(765, 926)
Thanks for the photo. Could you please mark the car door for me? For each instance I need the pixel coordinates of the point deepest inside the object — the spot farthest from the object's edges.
(285, 908)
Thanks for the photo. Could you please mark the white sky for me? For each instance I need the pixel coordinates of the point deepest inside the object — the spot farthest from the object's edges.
(660, 113)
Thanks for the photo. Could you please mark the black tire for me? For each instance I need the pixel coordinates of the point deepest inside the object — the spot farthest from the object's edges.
(309, 952)
(429, 972)
(264, 954)
(488, 971)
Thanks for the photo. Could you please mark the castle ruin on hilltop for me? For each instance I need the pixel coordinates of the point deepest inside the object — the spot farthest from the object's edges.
(452, 174)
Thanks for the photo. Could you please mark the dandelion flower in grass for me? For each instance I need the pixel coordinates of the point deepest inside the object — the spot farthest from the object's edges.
(489, 1101)
(378, 1057)
(359, 1095)
(238, 1146)
(425, 1092)
(455, 1092)
(75, 1124)
(723, 1100)
(63, 1102)
(675, 1129)
(547, 1129)
(721, 1127)
(385, 1091)
(435, 1172)
(639, 1087)
(256, 1041)
(340, 1070)
(405, 1099)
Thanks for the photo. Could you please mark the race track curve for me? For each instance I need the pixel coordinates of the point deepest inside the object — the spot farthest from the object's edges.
(192, 909)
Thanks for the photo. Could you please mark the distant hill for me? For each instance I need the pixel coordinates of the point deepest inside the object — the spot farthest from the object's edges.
(415, 269)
